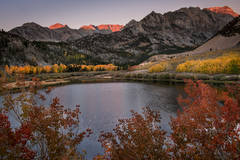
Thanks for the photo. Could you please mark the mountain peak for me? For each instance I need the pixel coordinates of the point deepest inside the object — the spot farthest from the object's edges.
(131, 23)
(31, 24)
(112, 27)
(57, 26)
(223, 10)
(88, 27)
(152, 14)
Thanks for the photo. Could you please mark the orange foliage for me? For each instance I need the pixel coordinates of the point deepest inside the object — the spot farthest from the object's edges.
(55, 68)
(35, 69)
(139, 137)
(47, 69)
(208, 128)
(13, 143)
(78, 68)
(47, 132)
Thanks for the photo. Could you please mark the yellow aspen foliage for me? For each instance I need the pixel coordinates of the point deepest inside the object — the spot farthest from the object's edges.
(89, 67)
(34, 70)
(110, 67)
(27, 69)
(47, 69)
(39, 69)
(158, 67)
(13, 69)
(58, 68)
(229, 64)
(62, 68)
(7, 70)
(55, 68)
(20, 70)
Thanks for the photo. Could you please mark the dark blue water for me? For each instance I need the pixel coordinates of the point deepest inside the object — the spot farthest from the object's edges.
(102, 104)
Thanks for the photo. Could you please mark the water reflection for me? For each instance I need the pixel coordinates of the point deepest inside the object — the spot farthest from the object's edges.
(102, 104)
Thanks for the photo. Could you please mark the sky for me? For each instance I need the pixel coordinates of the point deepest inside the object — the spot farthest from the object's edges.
(76, 13)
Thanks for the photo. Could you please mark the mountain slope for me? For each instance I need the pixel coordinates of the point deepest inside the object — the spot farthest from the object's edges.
(223, 10)
(227, 38)
(173, 32)
(15, 50)
(56, 26)
(35, 32)
(59, 32)
(104, 27)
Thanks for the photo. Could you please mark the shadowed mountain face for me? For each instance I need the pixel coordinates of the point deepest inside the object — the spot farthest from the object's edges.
(15, 50)
(59, 32)
(226, 38)
(35, 32)
(172, 32)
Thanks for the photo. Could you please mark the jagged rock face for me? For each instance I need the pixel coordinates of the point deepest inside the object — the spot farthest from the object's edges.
(111, 27)
(223, 10)
(35, 32)
(15, 50)
(103, 28)
(56, 26)
(232, 28)
(89, 27)
(59, 32)
(18, 51)
(131, 23)
(171, 32)
(228, 37)
(188, 27)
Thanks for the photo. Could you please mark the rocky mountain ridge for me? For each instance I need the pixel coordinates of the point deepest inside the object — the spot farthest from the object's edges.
(16, 50)
(107, 27)
(59, 32)
(172, 32)
(227, 38)
(169, 33)
(57, 26)
(223, 10)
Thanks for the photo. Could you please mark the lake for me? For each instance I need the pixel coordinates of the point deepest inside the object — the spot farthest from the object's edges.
(102, 104)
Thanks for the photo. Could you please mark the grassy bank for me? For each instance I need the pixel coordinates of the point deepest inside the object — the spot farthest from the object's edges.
(212, 62)
(55, 79)
(173, 77)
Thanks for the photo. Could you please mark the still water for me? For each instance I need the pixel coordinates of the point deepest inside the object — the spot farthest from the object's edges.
(102, 104)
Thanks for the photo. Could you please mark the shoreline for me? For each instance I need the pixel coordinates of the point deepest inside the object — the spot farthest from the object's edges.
(170, 78)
